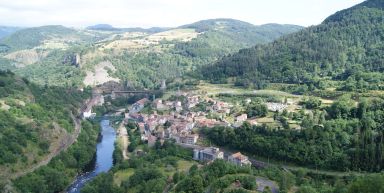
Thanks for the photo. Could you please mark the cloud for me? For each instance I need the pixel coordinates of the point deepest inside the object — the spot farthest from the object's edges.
(147, 13)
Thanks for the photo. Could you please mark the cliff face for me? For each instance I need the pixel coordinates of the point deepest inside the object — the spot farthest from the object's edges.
(78, 60)
(73, 59)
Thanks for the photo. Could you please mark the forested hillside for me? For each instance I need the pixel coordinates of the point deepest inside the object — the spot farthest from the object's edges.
(186, 48)
(29, 38)
(346, 46)
(243, 33)
(34, 121)
(56, 55)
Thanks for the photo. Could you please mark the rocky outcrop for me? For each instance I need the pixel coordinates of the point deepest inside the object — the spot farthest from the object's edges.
(73, 59)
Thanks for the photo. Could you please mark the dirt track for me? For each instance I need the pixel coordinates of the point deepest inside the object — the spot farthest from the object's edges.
(122, 133)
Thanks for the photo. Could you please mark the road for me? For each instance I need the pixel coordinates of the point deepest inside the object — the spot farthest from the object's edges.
(263, 183)
(123, 135)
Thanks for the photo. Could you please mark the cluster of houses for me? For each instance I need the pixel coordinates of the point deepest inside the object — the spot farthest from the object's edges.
(178, 123)
(210, 154)
(170, 126)
(178, 119)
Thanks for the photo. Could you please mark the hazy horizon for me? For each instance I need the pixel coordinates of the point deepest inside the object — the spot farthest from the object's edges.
(164, 13)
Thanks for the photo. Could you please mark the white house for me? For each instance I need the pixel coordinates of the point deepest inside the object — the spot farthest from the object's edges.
(87, 113)
(241, 118)
(239, 159)
(208, 154)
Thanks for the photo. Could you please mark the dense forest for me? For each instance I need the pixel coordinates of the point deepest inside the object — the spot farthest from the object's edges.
(346, 46)
(340, 137)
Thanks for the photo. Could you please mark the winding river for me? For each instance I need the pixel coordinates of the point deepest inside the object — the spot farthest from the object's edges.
(104, 160)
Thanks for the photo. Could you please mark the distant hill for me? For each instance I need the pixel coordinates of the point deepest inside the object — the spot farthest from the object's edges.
(348, 42)
(59, 55)
(7, 30)
(107, 27)
(220, 37)
(32, 37)
(242, 31)
(102, 27)
(146, 30)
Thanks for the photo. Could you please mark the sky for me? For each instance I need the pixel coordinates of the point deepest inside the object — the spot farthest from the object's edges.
(165, 13)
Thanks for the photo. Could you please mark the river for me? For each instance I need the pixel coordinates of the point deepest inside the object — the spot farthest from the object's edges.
(104, 160)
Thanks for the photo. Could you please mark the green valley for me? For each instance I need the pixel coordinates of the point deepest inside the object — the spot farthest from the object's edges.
(215, 106)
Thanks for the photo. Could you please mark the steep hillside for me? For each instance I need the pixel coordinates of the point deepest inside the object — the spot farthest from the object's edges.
(34, 122)
(347, 44)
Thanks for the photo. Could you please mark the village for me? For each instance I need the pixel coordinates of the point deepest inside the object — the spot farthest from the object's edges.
(180, 115)
(179, 118)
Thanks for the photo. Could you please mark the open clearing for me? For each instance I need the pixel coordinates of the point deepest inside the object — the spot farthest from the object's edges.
(140, 41)
(214, 89)
(182, 165)
(175, 34)
(122, 175)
